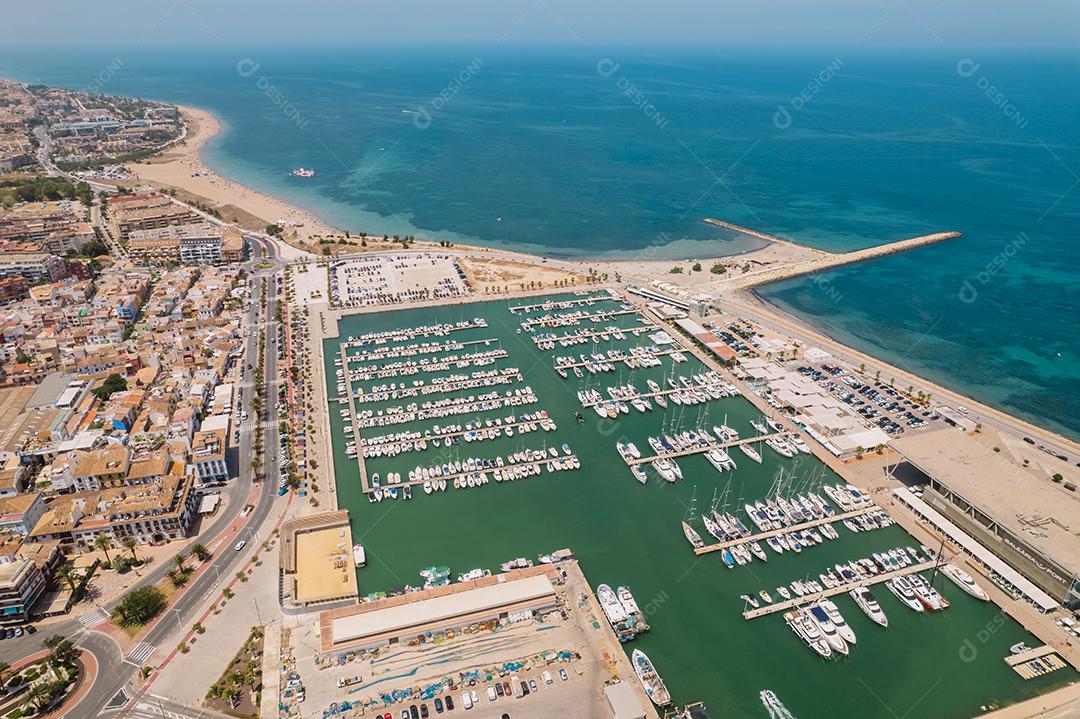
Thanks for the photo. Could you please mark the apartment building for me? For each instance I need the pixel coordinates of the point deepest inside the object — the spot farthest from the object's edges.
(35, 267)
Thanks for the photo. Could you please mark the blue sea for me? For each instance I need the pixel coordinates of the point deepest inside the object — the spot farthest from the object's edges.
(622, 152)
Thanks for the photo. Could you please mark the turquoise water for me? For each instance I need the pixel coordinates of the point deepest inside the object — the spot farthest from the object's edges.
(620, 152)
(945, 665)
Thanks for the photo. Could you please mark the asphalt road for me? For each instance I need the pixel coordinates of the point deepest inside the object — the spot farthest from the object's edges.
(114, 671)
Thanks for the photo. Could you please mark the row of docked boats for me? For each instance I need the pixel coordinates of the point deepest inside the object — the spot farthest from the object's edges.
(410, 350)
(638, 357)
(447, 407)
(408, 333)
(585, 298)
(393, 391)
(622, 612)
(405, 368)
(550, 340)
(391, 445)
(822, 628)
(575, 318)
(848, 497)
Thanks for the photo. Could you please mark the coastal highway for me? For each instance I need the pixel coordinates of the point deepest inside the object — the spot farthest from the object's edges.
(116, 673)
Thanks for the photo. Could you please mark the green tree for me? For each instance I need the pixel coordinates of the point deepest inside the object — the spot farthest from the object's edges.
(67, 574)
(62, 652)
(696, 267)
(139, 606)
(113, 383)
(4, 666)
(104, 543)
(178, 577)
(129, 544)
(200, 551)
(718, 269)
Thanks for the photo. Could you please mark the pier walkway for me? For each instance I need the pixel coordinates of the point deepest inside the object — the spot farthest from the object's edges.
(661, 393)
(832, 591)
(702, 450)
(1026, 656)
(385, 352)
(602, 315)
(635, 331)
(613, 360)
(785, 530)
(564, 304)
(461, 433)
(428, 390)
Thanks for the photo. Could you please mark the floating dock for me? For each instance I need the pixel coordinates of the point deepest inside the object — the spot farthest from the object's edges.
(1035, 662)
(832, 591)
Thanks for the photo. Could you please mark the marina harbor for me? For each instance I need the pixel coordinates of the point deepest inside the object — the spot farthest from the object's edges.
(579, 419)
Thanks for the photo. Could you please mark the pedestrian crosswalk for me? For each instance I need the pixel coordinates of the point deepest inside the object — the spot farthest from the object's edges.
(140, 653)
(91, 618)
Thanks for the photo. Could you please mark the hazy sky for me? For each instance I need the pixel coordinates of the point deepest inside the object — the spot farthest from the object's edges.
(719, 23)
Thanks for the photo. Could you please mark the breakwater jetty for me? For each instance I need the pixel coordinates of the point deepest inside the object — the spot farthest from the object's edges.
(815, 261)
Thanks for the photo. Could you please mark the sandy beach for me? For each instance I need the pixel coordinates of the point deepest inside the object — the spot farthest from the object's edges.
(181, 168)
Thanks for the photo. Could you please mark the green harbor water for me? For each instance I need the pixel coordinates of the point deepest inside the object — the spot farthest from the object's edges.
(947, 664)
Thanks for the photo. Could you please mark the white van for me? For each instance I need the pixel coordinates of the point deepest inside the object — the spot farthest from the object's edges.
(547, 677)
(466, 701)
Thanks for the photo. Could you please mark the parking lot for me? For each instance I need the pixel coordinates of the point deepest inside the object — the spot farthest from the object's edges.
(877, 403)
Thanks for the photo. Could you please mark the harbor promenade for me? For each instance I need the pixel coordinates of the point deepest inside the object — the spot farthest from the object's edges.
(832, 591)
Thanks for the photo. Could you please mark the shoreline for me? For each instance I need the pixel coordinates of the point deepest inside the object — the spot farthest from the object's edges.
(184, 168)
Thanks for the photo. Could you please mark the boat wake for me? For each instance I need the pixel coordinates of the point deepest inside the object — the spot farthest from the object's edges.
(774, 706)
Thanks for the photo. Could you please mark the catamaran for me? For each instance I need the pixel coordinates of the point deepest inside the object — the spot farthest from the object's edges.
(650, 680)
(963, 580)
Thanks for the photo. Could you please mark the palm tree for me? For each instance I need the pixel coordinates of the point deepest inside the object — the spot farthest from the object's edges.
(66, 572)
(129, 544)
(179, 560)
(35, 694)
(200, 551)
(104, 543)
